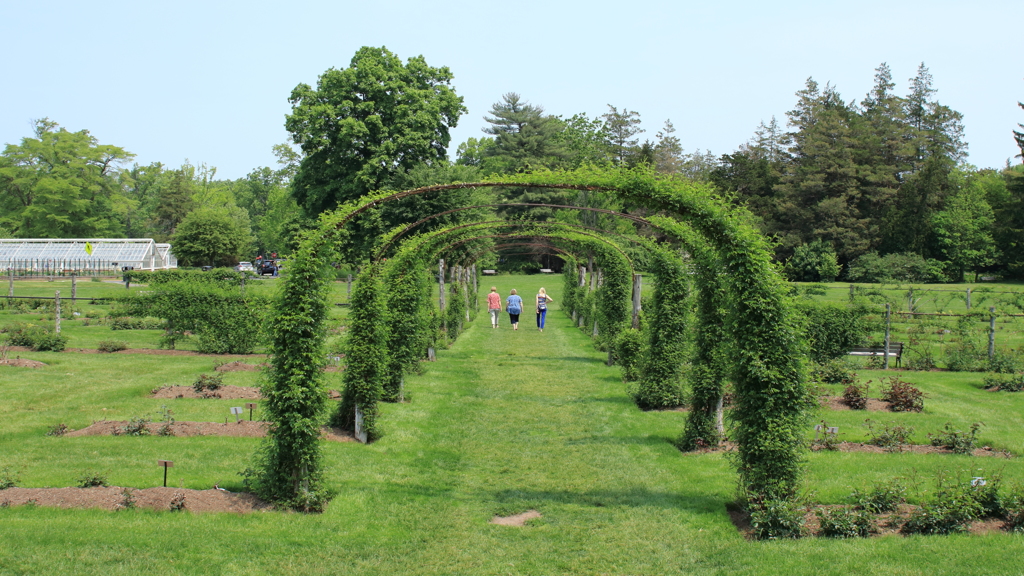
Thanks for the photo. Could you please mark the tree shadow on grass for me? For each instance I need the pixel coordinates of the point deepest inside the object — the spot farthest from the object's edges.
(601, 498)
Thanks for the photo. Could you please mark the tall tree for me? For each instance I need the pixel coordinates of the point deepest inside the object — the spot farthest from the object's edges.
(622, 128)
(1019, 136)
(62, 184)
(213, 237)
(366, 123)
(964, 230)
(524, 137)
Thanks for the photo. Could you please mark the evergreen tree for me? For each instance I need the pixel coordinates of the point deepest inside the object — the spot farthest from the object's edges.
(622, 129)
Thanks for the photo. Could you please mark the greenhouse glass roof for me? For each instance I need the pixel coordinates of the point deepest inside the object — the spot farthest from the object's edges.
(136, 252)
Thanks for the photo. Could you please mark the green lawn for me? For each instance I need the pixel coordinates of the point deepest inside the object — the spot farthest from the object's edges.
(503, 422)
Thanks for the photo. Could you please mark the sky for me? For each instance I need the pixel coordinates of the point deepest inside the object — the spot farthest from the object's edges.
(208, 82)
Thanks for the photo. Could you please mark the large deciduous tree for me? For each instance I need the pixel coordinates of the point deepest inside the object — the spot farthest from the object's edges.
(364, 124)
(62, 184)
(213, 237)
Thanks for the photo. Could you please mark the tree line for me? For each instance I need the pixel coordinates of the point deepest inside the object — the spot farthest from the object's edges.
(875, 190)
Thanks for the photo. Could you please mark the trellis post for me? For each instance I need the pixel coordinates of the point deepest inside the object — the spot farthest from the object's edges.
(465, 292)
(968, 299)
(851, 292)
(348, 293)
(991, 332)
(10, 283)
(74, 287)
(440, 280)
(637, 280)
(888, 316)
(56, 306)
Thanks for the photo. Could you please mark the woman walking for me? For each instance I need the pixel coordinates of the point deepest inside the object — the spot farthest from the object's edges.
(542, 308)
(494, 306)
(514, 307)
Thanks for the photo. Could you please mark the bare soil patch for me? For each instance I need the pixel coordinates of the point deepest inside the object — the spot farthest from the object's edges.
(22, 363)
(151, 351)
(239, 366)
(516, 519)
(837, 403)
(227, 392)
(913, 448)
(245, 428)
(114, 498)
(888, 524)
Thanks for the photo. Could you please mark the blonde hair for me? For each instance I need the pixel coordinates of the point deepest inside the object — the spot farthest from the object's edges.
(513, 291)
(494, 288)
(542, 292)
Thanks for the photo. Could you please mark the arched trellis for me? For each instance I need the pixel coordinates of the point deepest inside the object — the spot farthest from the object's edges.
(768, 374)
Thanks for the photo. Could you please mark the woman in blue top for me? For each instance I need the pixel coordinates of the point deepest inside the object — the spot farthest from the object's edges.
(542, 308)
(514, 307)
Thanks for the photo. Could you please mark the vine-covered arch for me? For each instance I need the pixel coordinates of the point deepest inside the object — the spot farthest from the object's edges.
(766, 367)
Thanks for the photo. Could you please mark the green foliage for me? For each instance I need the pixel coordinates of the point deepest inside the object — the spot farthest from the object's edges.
(832, 329)
(776, 519)
(61, 184)
(952, 510)
(366, 354)
(112, 345)
(957, 440)
(136, 426)
(660, 383)
(287, 468)
(845, 523)
(8, 478)
(59, 429)
(209, 382)
(898, 267)
(409, 303)
(351, 146)
(213, 237)
(1005, 382)
(1005, 362)
(814, 262)
(902, 396)
(836, 371)
(36, 337)
(629, 350)
(225, 320)
(882, 497)
(129, 323)
(892, 436)
(91, 479)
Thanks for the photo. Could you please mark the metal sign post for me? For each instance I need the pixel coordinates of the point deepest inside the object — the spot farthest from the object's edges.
(251, 406)
(237, 411)
(166, 464)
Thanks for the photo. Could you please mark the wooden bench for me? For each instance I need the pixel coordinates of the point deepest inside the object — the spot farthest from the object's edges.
(489, 272)
(895, 351)
(546, 271)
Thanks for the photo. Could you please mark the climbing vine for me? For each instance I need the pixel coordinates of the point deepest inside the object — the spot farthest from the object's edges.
(366, 354)
(661, 369)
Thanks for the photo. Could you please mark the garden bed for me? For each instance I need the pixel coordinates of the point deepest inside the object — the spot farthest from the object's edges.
(837, 403)
(245, 428)
(22, 363)
(226, 392)
(912, 448)
(115, 498)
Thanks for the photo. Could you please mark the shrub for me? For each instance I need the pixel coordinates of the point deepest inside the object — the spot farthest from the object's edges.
(1004, 362)
(903, 267)
(1013, 507)
(856, 396)
(208, 382)
(127, 499)
(814, 262)
(892, 436)
(629, 346)
(903, 396)
(36, 337)
(920, 360)
(832, 372)
(137, 426)
(112, 346)
(1005, 382)
(845, 523)
(832, 330)
(952, 511)
(883, 497)
(177, 502)
(167, 422)
(957, 440)
(131, 323)
(776, 519)
(8, 478)
(91, 479)
(57, 430)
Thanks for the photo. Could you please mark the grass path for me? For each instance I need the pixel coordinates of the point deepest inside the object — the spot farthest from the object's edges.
(504, 422)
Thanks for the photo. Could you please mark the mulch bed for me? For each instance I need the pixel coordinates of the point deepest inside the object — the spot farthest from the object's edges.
(151, 351)
(912, 448)
(21, 363)
(245, 428)
(239, 366)
(888, 523)
(837, 403)
(227, 392)
(224, 392)
(113, 498)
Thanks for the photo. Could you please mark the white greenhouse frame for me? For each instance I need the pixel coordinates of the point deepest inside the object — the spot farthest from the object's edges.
(63, 257)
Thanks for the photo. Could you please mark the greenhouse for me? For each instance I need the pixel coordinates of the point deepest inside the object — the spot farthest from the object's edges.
(83, 256)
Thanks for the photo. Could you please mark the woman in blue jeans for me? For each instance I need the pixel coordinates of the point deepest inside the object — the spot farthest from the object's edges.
(542, 308)
(514, 307)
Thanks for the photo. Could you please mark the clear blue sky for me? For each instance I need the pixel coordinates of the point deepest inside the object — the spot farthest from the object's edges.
(209, 81)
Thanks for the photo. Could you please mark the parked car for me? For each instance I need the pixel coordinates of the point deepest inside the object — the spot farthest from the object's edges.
(244, 267)
(267, 267)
